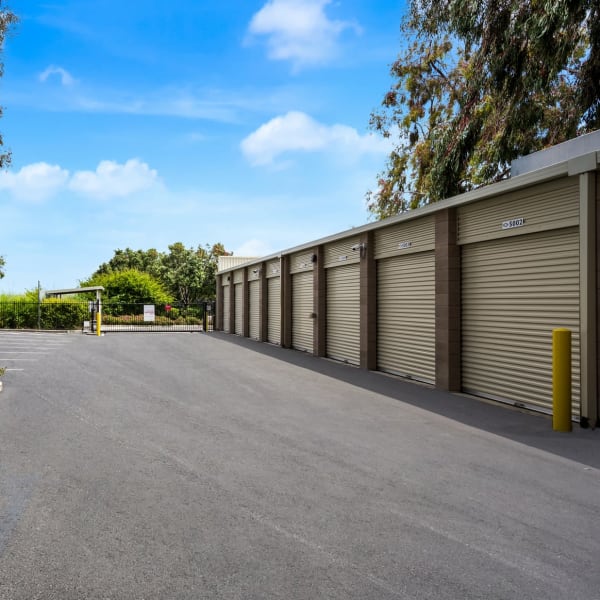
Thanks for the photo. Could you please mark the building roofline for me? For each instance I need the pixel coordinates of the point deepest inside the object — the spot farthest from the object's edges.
(574, 166)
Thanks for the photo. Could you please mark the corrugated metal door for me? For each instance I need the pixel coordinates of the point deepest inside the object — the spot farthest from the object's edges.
(302, 308)
(226, 308)
(274, 310)
(514, 293)
(406, 315)
(254, 309)
(343, 313)
(239, 307)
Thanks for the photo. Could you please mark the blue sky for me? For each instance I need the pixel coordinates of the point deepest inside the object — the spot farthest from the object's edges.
(141, 123)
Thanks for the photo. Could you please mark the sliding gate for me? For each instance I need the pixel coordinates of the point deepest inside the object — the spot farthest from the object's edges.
(119, 316)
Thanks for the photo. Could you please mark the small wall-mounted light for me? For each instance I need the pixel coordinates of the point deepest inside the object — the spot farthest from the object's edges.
(362, 247)
(313, 258)
(227, 277)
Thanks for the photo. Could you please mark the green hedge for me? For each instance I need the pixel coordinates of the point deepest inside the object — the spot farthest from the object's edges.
(139, 320)
(53, 314)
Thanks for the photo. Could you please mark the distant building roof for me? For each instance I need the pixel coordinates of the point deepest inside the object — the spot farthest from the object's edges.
(226, 262)
(579, 146)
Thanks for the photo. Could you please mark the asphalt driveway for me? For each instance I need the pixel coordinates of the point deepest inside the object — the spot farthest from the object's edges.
(143, 466)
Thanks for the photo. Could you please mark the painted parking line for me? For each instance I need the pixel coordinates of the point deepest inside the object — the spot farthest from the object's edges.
(23, 352)
(21, 359)
(19, 349)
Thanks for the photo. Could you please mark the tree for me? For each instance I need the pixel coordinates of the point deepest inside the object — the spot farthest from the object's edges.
(481, 83)
(211, 259)
(182, 271)
(147, 261)
(129, 287)
(7, 20)
(188, 274)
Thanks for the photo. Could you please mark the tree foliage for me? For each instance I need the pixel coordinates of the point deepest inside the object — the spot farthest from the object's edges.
(480, 83)
(147, 261)
(130, 287)
(7, 20)
(187, 274)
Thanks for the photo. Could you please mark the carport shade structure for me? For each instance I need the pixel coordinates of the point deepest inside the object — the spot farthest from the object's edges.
(95, 288)
(60, 293)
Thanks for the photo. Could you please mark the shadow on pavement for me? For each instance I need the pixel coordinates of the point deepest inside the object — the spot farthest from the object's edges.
(525, 427)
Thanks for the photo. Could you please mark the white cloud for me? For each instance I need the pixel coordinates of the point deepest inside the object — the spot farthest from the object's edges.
(34, 182)
(298, 30)
(111, 179)
(39, 181)
(298, 132)
(65, 77)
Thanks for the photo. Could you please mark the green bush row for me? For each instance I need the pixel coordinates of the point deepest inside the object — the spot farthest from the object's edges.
(139, 320)
(52, 313)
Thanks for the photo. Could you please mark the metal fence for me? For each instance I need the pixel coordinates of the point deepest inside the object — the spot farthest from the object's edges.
(57, 314)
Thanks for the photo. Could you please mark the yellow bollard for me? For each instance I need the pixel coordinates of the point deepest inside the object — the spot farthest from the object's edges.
(561, 380)
(98, 322)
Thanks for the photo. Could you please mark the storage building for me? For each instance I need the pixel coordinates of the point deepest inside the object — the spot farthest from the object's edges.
(463, 294)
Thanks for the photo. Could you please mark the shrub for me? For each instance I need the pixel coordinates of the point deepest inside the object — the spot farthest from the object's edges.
(51, 313)
(125, 289)
(61, 314)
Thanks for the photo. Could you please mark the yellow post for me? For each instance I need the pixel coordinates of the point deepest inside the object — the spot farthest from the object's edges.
(98, 322)
(561, 380)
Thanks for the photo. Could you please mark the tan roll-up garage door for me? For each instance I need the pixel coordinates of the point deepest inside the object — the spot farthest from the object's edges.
(406, 315)
(226, 309)
(302, 308)
(274, 310)
(254, 309)
(343, 313)
(239, 308)
(515, 291)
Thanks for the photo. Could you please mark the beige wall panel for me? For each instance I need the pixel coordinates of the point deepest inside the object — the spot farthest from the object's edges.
(301, 262)
(273, 268)
(514, 293)
(254, 272)
(302, 308)
(254, 309)
(406, 238)
(239, 308)
(238, 276)
(550, 205)
(343, 313)
(340, 253)
(406, 315)
(226, 307)
(274, 310)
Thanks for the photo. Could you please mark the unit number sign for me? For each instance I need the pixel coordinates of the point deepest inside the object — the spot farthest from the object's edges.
(511, 223)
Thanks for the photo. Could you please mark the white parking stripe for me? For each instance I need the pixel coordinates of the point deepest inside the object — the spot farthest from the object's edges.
(18, 348)
(24, 352)
(23, 359)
